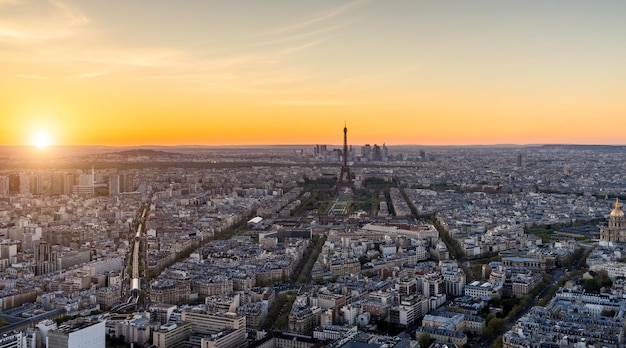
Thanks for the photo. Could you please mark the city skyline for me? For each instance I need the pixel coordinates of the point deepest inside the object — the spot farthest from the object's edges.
(234, 73)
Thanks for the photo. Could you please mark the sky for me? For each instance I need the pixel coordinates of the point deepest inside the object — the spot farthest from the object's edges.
(214, 72)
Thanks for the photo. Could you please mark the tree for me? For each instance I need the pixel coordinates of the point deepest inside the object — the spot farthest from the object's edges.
(493, 327)
(591, 285)
(498, 342)
(603, 278)
(488, 331)
(608, 313)
(363, 259)
(424, 340)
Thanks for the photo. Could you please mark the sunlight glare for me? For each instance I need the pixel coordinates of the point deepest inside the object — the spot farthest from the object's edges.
(41, 139)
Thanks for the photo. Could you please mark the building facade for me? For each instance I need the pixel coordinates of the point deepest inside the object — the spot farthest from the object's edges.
(615, 231)
(78, 334)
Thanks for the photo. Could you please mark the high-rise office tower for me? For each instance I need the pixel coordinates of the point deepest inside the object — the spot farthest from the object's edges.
(85, 180)
(14, 184)
(57, 184)
(126, 183)
(129, 183)
(85, 185)
(68, 183)
(377, 154)
(36, 184)
(114, 185)
(4, 185)
(365, 151)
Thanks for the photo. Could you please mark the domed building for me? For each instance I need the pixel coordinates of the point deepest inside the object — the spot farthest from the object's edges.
(616, 229)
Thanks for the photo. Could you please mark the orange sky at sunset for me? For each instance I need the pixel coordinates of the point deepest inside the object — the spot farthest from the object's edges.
(283, 72)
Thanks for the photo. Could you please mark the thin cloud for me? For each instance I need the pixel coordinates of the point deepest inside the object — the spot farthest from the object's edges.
(281, 79)
(303, 46)
(320, 18)
(32, 77)
(299, 36)
(36, 21)
(89, 75)
(51, 34)
(310, 102)
(377, 78)
(118, 56)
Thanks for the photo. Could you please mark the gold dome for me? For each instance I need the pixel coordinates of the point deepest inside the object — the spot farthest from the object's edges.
(617, 212)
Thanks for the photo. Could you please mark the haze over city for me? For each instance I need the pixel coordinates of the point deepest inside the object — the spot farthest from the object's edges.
(312, 174)
(123, 73)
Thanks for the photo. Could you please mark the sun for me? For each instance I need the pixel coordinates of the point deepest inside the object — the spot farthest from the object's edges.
(41, 139)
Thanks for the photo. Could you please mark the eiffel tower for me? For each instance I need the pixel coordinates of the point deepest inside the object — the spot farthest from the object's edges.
(345, 178)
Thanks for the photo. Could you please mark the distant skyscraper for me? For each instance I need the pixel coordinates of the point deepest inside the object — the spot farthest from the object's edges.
(85, 180)
(68, 183)
(114, 185)
(518, 160)
(36, 184)
(365, 151)
(129, 183)
(385, 152)
(4, 185)
(14, 184)
(319, 150)
(24, 183)
(58, 184)
(85, 185)
(377, 154)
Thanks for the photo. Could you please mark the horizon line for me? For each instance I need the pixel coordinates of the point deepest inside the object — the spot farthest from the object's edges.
(311, 144)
